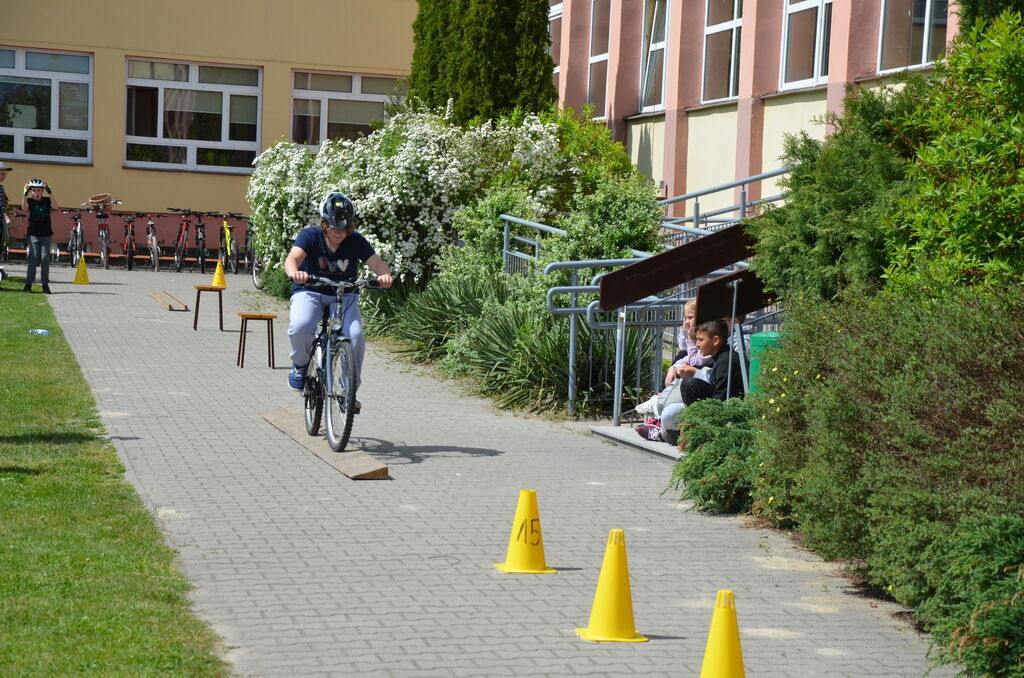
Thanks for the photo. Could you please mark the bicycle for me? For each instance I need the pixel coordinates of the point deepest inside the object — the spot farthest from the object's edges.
(76, 239)
(152, 243)
(201, 251)
(255, 262)
(99, 203)
(129, 247)
(228, 244)
(181, 240)
(331, 371)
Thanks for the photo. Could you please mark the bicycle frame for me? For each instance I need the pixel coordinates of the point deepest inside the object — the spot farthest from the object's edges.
(76, 241)
(129, 245)
(181, 240)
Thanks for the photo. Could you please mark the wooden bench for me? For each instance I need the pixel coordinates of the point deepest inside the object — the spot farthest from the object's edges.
(246, 317)
(220, 304)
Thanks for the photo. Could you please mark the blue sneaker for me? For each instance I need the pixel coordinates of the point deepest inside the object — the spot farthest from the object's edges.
(297, 377)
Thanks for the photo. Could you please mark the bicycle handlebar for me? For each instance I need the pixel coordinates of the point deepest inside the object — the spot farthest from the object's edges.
(370, 283)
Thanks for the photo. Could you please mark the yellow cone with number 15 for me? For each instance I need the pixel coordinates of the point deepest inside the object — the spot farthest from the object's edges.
(525, 553)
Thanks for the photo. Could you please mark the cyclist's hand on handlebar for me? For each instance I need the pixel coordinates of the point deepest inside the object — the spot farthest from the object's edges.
(299, 277)
(384, 281)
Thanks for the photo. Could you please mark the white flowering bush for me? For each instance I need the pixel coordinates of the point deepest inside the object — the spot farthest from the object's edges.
(407, 181)
(280, 199)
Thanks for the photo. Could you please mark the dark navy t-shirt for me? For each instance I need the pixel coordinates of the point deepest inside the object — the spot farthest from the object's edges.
(341, 264)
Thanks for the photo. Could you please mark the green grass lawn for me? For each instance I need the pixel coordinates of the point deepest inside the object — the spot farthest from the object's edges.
(87, 584)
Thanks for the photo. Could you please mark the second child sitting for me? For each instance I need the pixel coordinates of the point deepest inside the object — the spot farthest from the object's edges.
(725, 381)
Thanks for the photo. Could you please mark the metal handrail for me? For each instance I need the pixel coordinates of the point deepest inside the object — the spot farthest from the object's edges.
(724, 187)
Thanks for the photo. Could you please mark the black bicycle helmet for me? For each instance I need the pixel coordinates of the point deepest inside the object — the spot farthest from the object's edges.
(338, 211)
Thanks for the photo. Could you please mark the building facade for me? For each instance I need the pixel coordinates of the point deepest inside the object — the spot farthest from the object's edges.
(702, 92)
(167, 104)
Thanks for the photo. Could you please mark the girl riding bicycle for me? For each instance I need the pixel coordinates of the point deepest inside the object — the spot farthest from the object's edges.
(334, 250)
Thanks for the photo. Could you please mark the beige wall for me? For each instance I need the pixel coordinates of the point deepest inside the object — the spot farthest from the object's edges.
(711, 154)
(332, 35)
(645, 142)
(789, 114)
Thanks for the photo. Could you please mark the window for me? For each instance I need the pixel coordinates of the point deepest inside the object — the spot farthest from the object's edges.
(597, 79)
(45, 106)
(652, 74)
(191, 116)
(337, 105)
(722, 23)
(913, 33)
(805, 42)
(555, 27)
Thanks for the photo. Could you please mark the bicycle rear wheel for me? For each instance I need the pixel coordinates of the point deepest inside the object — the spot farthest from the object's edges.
(104, 250)
(73, 250)
(256, 267)
(313, 394)
(179, 256)
(341, 397)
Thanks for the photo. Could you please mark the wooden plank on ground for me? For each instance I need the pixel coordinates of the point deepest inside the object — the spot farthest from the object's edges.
(167, 299)
(355, 464)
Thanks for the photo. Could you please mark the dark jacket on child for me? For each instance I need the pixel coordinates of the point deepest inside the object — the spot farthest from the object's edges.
(719, 388)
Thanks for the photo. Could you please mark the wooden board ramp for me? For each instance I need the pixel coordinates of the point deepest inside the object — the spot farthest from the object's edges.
(165, 298)
(355, 464)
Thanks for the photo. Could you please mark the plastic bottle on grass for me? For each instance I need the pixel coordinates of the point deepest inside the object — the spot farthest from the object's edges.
(45, 333)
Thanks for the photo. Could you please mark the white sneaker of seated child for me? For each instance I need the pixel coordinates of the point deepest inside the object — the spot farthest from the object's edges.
(648, 406)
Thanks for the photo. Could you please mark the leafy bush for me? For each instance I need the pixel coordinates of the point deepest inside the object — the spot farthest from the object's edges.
(892, 425)
(964, 222)
(718, 470)
(280, 199)
(829, 235)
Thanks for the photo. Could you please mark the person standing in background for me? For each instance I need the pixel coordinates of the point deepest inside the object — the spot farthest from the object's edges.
(40, 231)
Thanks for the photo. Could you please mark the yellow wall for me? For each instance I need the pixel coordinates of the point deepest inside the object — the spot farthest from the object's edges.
(788, 114)
(711, 154)
(333, 35)
(645, 142)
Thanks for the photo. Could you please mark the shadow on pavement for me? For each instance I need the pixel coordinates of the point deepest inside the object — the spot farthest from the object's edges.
(413, 454)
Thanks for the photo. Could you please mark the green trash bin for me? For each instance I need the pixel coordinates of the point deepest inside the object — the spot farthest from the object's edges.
(759, 342)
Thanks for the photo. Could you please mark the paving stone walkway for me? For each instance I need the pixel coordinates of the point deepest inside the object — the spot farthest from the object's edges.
(305, 572)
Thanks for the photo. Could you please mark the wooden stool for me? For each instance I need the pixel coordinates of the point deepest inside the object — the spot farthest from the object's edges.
(246, 317)
(220, 303)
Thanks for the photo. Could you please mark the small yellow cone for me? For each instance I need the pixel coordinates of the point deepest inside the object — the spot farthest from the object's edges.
(525, 554)
(723, 657)
(81, 275)
(218, 277)
(611, 616)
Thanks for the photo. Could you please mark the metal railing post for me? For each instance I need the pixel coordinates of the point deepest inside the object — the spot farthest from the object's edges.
(735, 285)
(573, 281)
(504, 247)
(743, 202)
(620, 355)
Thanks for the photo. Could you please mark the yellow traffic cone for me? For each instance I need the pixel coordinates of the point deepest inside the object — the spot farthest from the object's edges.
(81, 275)
(525, 554)
(723, 657)
(611, 616)
(218, 277)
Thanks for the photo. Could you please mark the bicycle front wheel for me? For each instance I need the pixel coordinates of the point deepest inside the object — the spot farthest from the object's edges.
(179, 257)
(341, 395)
(73, 250)
(154, 254)
(129, 255)
(201, 255)
(233, 258)
(256, 266)
(313, 395)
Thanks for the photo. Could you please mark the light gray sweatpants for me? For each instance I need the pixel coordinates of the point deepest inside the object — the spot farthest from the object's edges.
(306, 311)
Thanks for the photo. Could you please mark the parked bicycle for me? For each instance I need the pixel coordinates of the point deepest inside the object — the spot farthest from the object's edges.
(331, 371)
(201, 251)
(152, 243)
(181, 240)
(76, 239)
(99, 204)
(129, 247)
(253, 258)
(228, 244)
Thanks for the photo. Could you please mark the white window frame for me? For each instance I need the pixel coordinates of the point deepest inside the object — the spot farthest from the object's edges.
(649, 48)
(733, 25)
(56, 77)
(926, 41)
(555, 12)
(191, 145)
(324, 96)
(818, 78)
(601, 115)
